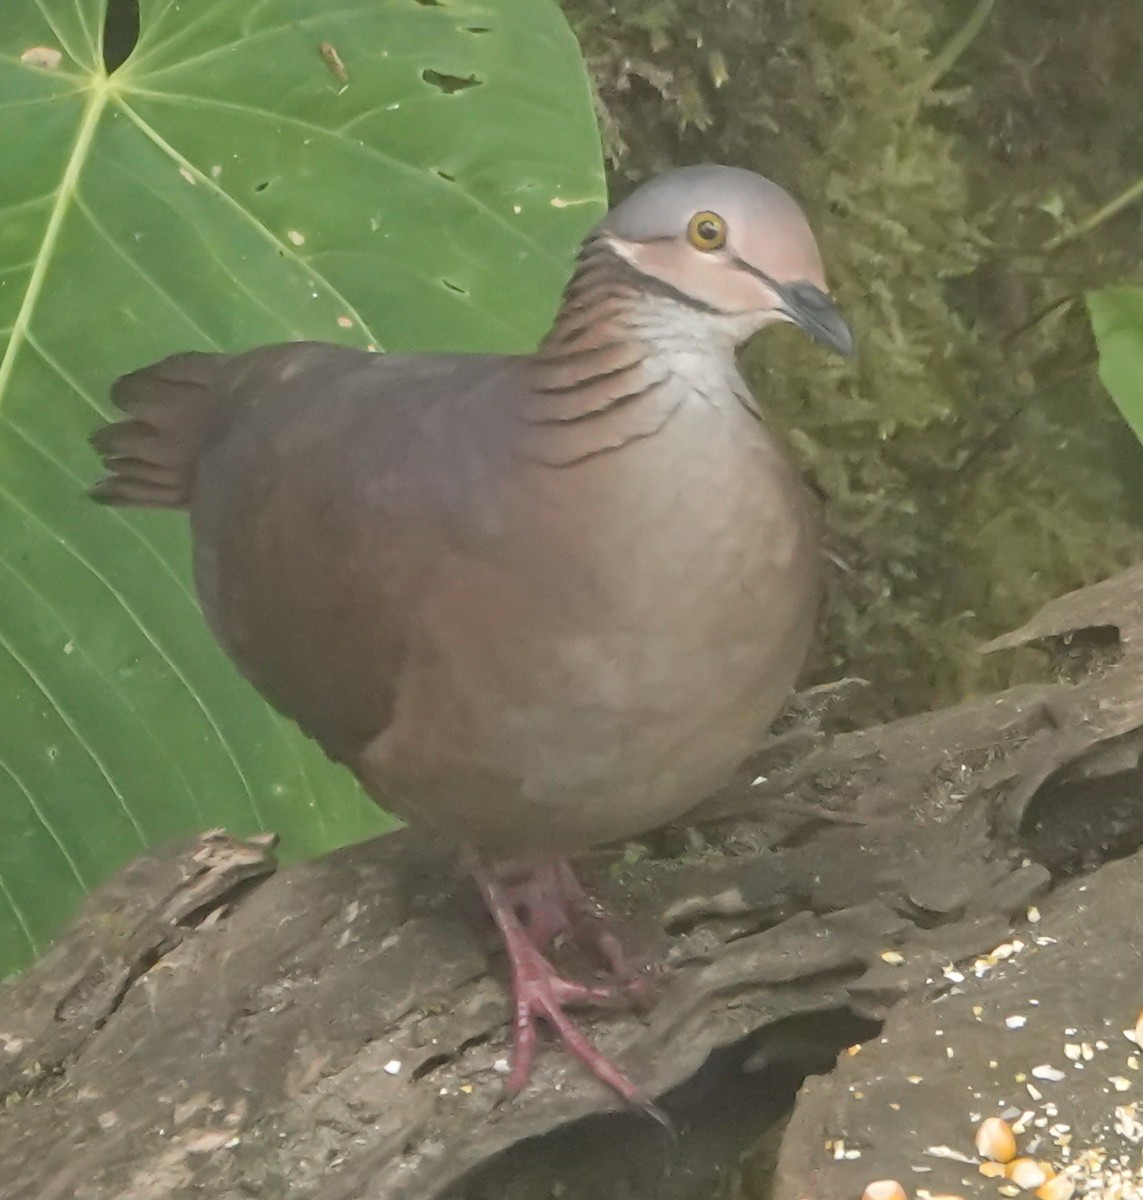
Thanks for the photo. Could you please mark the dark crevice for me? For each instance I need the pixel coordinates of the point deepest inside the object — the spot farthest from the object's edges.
(430, 1064)
(261, 187)
(760, 920)
(450, 84)
(1075, 824)
(454, 287)
(102, 978)
(742, 1092)
(477, 1039)
(120, 32)
(234, 896)
(925, 918)
(434, 1061)
(444, 175)
(738, 923)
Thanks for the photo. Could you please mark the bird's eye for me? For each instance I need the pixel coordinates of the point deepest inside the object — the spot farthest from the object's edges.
(706, 231)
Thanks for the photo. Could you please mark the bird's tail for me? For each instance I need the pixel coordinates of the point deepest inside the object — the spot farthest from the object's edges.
(174, 411)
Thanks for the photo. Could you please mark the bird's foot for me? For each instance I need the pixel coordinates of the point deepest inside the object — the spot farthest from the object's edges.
(553, 906)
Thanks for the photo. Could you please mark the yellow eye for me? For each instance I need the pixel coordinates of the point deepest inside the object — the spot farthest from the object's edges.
(706, 231)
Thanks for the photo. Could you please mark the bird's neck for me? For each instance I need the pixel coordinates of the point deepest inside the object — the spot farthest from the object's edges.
(620, 362)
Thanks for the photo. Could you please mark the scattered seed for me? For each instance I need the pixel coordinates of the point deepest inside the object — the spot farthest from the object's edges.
(892, 957)
(995, 1140)
(1060, 1187)
(1119, 1083)
(1125, 1123)
(1016, 1022)
(1026, 1173)
(884, 1189)
(949, 1152)
(1048, 1072)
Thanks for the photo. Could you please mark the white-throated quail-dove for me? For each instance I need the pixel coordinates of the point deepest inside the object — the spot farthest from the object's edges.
(539, 602)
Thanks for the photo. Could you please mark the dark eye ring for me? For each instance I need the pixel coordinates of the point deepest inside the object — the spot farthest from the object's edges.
(706, 231)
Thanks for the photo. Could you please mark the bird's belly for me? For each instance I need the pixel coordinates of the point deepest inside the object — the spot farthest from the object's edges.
(595, 715)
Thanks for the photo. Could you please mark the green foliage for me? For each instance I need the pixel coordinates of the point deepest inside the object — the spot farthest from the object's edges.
(410, 176)
(1117, 322)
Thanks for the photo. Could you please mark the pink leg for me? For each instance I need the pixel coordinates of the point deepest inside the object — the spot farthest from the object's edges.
(538, 990)
(590, 927)
(554, 902)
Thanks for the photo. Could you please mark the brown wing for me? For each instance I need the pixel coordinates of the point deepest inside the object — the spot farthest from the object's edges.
(323, 484)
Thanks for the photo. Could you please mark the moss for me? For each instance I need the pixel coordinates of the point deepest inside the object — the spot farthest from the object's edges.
(973, 468)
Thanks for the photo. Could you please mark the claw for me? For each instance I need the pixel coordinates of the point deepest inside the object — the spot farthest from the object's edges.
(554, 902)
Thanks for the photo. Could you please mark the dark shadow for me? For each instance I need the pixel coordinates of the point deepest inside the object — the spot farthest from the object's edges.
(740, 1096)
(120, 32)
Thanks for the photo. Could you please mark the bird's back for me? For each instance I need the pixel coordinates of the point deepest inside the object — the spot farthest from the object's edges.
(322, 483)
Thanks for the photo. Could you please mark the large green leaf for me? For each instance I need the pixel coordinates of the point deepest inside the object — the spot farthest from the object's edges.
(412, 174)
(1117, 321)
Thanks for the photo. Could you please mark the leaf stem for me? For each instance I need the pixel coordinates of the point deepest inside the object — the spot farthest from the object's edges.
(1113, 207)
(946, 57)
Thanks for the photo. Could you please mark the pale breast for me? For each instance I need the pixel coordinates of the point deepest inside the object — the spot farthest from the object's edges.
(621, 653)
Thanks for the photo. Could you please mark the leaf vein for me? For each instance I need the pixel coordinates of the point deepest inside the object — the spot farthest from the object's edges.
(67, 546)
(69, 722)
(60, 204)
(139, 270)
(285, 248)
(360, 147)
(33, 804)
(68, 635)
